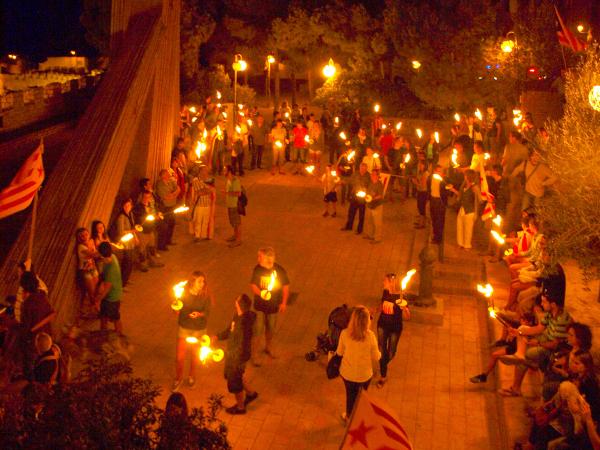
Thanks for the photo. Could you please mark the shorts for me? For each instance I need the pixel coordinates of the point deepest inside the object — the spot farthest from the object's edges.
(278, 156)
(234, 216)
(264, 322)
(110, 310)
(298, 154)
(330, 197)
(235, 378)
(183, 333)
(88, 274)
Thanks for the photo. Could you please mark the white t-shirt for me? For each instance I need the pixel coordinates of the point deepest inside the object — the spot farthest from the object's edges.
(358, 356)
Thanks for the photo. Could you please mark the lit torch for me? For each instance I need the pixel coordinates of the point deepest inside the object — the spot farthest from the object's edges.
(486, 290)
(478, 114)
(310, 169)
(351, 155)
(218, 95)
(497, 220)
(419, 133)
(265, 294)
(150, 218)
(200, 147)
(407, 278)
(436, 136)
(206, 351)
(457, 117)
(127, 237)
(398, 126)
(278, 144)
(498, 237)
(361, 194)
(178, 292)
(181, 209)
(437, 177)
(336, 121)
(407, 158)
(193, 109)
(486, 156)
(454, 158)
(343, 135)
(376, 108)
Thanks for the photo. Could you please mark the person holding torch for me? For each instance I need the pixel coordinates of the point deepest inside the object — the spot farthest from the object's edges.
(271, 288)
(192, 305)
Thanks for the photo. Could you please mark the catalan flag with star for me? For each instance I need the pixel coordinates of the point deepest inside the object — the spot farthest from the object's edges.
(19, 194)
(374, 425)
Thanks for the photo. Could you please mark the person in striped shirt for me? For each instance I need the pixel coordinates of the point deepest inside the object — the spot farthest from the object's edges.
(535, 344)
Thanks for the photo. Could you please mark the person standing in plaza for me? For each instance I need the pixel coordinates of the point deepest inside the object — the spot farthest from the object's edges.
(537, 177)
(110, 289)
(360, 182)
(240, 144)
(345, 169)
(124, 225)
(359, 351)
(374, 210)
(259, 133)
(192, 320)
(469, 198)
(436, 187)
(420, 181)
(167, 191)
(199, 200)
(271, 288)
(239, 349)
(233, 190)
(389, 324)
(329, 180)
(278, 140)
(299, 145)
(144, 210)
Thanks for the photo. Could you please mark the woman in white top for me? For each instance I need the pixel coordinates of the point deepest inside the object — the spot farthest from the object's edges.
(359, 351)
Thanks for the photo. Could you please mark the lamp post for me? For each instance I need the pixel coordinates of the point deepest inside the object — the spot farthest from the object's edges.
(270, 60)
(509, 44)
(239, 65)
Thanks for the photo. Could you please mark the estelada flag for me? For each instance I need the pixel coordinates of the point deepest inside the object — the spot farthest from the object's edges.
(567, 38)
(374, 425)
(20, 192)
(385, 180)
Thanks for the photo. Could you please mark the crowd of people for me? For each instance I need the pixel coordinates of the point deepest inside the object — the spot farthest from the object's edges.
(492, 179)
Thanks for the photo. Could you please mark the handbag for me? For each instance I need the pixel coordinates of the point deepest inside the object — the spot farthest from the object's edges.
(333, 366)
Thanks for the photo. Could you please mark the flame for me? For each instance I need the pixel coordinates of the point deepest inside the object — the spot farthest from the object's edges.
(191, 340)
(194, 119)
(351, 155)
(419, 133)
(178, 289)
(150, 218)
(486, 156)
(181, 209)
(478, 114)
(436, 136)
(224, 114)
(310, 169)
(398, 126)
(240, 106)
(336, 120)
(454, 157)
(219, 105)
(249, 122)
(204, 353)
(200, 147)
(383, 126)
(407, 278)
(457, 117)
(219, 131)
(376, 108)
(205, 134)
(437, 177)
(361, 194)
(343, 135)
(333, 173)
(492, 312)
(126, 237)
(497, 220)
(193, 110)
(241, 114)
(287, 115)
(407, 158)
(218, 95)
(375, 155)
(238, 129)
(306, 139)
(272, 281)
(487, 290)
(498, 237)
(278, 144)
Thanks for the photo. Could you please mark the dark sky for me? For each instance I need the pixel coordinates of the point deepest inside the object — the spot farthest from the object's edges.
(38, 28)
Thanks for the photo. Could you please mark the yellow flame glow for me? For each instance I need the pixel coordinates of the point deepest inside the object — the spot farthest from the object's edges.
(436, 136)
(178, 289)
(181, 209)
(487, 290)
(361, 194)
(407, 278)
(126, 237)
(498, 237)
(478, 114)
(398, 126)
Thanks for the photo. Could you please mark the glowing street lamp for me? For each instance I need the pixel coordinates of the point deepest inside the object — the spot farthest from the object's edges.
(329, 70)
(580, 28)
(510, 43)
(377, 107)
(72, 52)
(239, 65)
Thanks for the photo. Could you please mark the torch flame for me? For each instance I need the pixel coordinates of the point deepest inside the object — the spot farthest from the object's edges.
(240, 106)
(204, 353)
(238, 129)
(205, 134)
(419, 133)
(150, 218)
(361, 194)
(486, 156)
(407, 278)
(336, 120)
(193, 109)
(194, 119)
(376, 108)
(375, 155)
(351, 155)
(487, 290)
(407, 158)
(310, 169)
(126, 237)
(457, 117)
(278, 144)
(343, 135)
(454, 158)
(178, 289)
(436, 136)
(398, 126)
(437, 177)
(498, 237)
(272, 281)
(218, 95)
(200, 147)
(191, 340)
(249, 122)
(383, 126)
(181, 209)
(306, 139)
(333, 173)
(478, 114)
(492, 312)
(497, 220)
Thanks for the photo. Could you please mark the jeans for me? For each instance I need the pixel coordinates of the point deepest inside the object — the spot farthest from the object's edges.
(360, 207)
(388, 343)
(422, 202)
(352, 390)
(438, 216)
(257, 157)
(239, 162)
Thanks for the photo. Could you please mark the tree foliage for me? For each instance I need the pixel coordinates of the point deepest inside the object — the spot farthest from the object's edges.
(103, 407)
(95, 18)
(573, 212)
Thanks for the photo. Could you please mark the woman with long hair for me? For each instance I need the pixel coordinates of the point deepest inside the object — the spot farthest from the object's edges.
(359, 351)
(389, 324)
(87, 272)
(192, 320)
(468, 206)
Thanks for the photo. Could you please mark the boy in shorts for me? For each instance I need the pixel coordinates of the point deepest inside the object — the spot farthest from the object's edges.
(110, 289)
(330, 180)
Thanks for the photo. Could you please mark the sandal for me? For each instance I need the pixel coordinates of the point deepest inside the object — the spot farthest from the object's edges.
(508, 392)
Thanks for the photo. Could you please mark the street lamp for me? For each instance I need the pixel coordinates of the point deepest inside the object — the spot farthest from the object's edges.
(508, 44)
(239, 65)
(329, 70)
(270, 60)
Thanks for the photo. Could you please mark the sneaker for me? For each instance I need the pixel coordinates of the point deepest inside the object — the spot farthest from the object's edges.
(250, 398)
(235, 410)
(176, 385)
(191, 382)
(481, 378)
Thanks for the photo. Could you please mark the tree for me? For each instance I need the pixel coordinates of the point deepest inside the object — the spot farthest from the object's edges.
(573, 212)
(95, 17)
(103, 407)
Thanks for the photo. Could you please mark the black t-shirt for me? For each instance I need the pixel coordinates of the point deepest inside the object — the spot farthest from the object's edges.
(261, 278)
(392, 322)
(194, 303)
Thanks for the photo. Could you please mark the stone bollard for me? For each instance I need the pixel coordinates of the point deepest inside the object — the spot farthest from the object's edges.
(427, 258)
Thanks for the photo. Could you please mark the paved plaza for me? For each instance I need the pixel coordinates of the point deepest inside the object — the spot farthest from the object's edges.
(298, 407)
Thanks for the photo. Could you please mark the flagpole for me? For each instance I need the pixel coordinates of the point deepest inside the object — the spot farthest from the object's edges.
(33, 216)
(562, 51)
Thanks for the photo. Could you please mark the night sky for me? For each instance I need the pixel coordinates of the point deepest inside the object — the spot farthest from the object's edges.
(39, 28)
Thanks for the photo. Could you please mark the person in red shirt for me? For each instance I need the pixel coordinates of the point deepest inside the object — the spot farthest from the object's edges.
(179, 176)
(386, 142)
(299, 146)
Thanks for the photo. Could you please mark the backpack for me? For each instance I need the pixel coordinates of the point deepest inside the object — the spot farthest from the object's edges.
(243, 198)
(62, 374)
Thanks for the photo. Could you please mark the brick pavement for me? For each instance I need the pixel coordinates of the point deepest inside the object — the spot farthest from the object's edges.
(298, 407)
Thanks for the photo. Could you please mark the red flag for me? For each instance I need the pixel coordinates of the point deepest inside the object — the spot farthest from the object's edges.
(20, 192)
(567, 38)
(374, 425)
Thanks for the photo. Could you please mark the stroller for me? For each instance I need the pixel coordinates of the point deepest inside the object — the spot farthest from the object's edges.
(328, 341)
